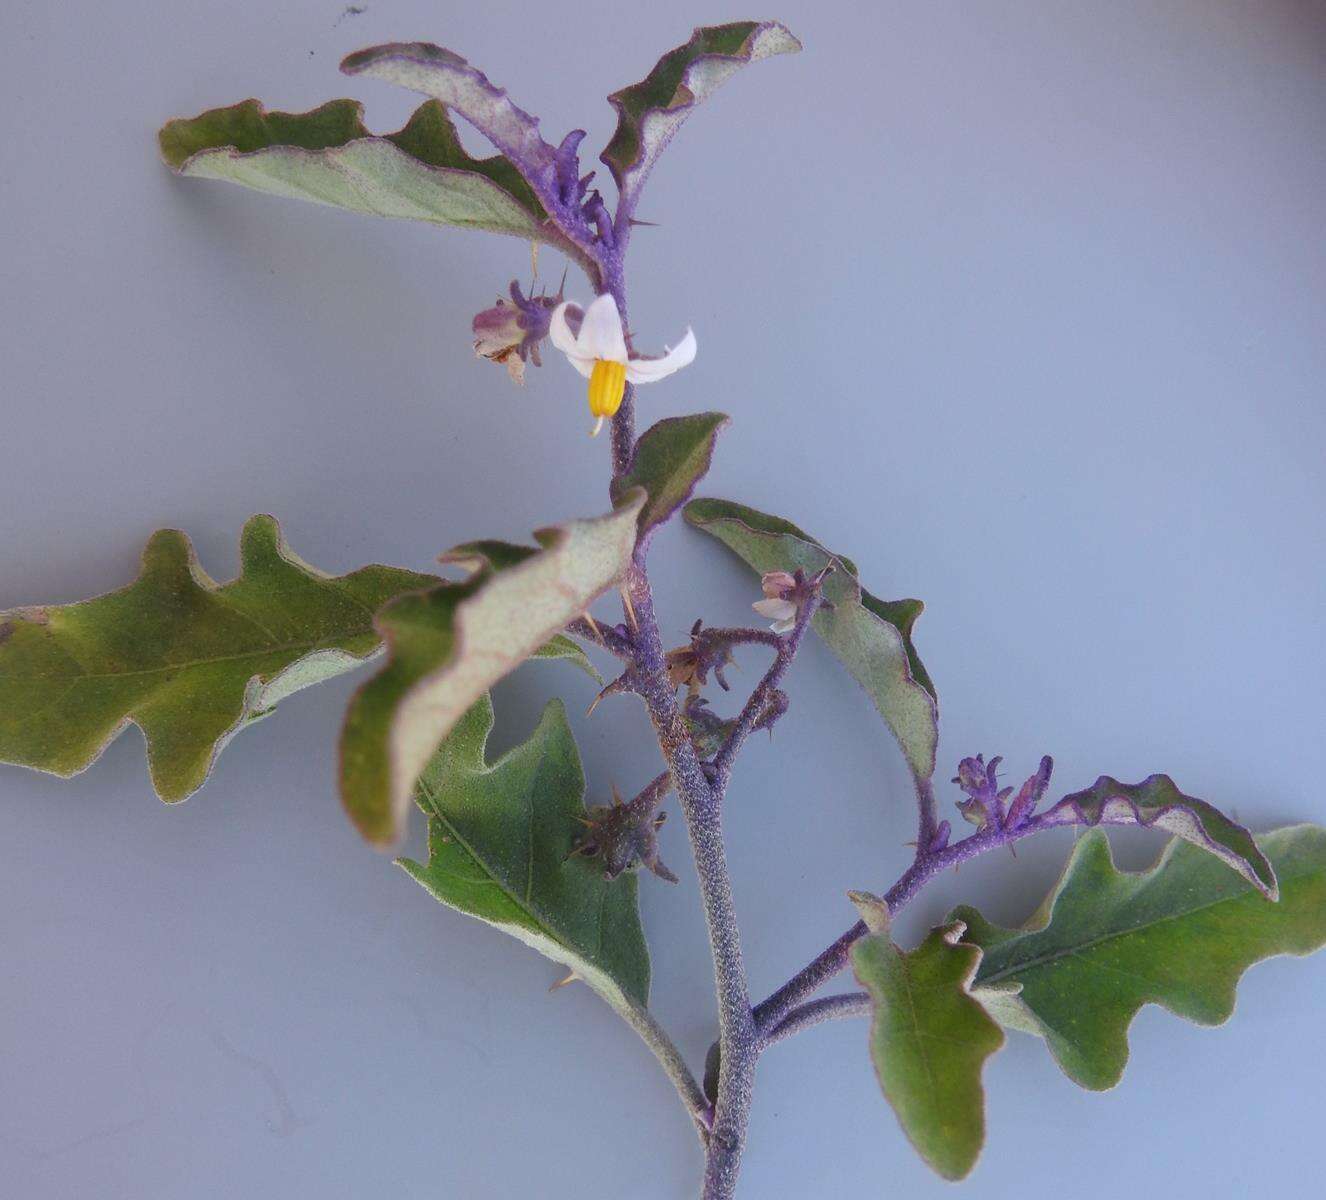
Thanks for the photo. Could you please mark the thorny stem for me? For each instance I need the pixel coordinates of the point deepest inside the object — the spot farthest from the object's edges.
(743, 1032)
(759, 698)
(601, 635)
(700, 805)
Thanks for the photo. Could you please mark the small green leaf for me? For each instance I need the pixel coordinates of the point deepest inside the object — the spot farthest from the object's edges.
(1157, 803)
(420, 173)
(1105, 942)
(449, 645)
(187, 661)
(560, 646)
(650, 112)
(872, 638)
(500, 837)
(671, 457)
(929, 1039)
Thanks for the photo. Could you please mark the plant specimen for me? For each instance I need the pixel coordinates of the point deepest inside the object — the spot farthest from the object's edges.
(511, 840)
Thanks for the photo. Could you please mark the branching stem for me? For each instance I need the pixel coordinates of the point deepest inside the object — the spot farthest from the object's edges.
(772, 1012)
(760, 697)
(816, 1012)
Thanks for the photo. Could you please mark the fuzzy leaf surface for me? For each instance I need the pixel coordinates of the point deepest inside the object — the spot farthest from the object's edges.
(499, 837)
(1156, 803)
(420, 173)
(186, 660)
(447, 646)
(671, 457)
(929, 1040)
(1105, 942)
(872, 638)
(650, 112)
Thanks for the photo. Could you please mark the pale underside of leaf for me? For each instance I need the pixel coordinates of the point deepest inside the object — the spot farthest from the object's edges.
(929, 1040)
(449, 645)
(1180, 935)
(188, 661)
(1156, 803)
(870, 637)
(650, 113)
(446, 77)
(327, 156)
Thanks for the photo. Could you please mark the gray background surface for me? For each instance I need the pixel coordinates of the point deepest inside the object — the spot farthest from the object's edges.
(1020, 304)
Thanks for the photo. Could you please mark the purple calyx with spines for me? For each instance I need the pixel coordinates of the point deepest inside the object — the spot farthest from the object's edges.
(986, 805)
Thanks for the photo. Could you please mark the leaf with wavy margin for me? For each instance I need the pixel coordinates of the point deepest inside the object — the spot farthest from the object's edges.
(445, 76)
(420, 173)
(929, 1038)
(650, 112)
(1156, 803)
(1105, 942)
(187, 661)
(500, 836)
(447, 646)
(671, 457)
(872, 638)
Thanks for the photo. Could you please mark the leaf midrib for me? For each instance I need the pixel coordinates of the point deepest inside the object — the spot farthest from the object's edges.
(1067, 952)
(525, 906)
(188, 664)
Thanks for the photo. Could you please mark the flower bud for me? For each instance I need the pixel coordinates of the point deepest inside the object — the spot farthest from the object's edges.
(624, 835)
(985, 802)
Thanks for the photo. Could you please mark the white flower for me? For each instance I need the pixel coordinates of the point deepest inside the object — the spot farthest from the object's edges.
(775, 606)
(599, 353)
(783, 613)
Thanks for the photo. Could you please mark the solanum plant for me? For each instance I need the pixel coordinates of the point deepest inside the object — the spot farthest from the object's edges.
(511, 841)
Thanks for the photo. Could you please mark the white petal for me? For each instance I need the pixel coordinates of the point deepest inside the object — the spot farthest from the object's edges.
(582, 364)
(601, 331)
(560, 331)
(775, 609)
(648, 370)
(784, 626)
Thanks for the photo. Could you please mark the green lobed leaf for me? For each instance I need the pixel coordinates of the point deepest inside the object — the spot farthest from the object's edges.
(187, 661)
(447, 646)
(500, 837)
(929, 1038)
(872, 638)
(671, 457)
(1157, 803)
(1105, 942)
(420, 173)
(650, 112)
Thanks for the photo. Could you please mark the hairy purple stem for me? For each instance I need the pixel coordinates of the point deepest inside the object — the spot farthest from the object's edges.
(741, 637)
(925, 825)
(772, 1012)
(816, 1012)
(601, 635)
(701, 806)
(759, 698)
